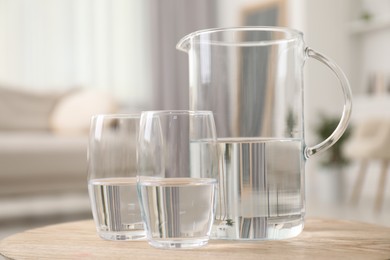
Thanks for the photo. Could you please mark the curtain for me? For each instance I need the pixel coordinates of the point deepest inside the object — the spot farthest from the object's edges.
(171, 20)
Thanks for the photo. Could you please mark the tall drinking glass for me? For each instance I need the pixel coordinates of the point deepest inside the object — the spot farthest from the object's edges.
(112, 172)
(178, 169)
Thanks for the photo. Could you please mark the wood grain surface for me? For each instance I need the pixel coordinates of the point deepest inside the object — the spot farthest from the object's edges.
(321, 239)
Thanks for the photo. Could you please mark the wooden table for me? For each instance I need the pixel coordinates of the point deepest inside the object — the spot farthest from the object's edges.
(321, 239)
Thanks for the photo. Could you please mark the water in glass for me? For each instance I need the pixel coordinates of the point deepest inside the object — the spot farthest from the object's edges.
(116, 209)
(178, 208)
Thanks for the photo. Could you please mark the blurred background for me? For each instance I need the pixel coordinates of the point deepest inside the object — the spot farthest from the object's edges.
(63, 60)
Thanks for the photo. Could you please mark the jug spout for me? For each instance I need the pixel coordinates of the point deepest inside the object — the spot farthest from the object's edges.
(184, 44)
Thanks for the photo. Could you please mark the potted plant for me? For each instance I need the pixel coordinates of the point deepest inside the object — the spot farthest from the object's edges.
(332, 162)
(333, 157)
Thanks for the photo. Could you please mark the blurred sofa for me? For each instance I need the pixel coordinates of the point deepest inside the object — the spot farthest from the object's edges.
(44, 138)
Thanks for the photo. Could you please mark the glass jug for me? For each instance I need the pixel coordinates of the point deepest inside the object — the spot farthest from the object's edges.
(252, 80)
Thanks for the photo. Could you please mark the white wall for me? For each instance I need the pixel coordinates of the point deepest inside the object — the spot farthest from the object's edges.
(326, 32)
(230, 12)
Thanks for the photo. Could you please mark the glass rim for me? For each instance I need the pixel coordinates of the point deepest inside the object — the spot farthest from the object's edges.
(119, 116)
(178, 112)
(294, 35)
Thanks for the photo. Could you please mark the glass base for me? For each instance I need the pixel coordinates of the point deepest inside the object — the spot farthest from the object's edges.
(178, 244)
(123, 236)
(258, 228)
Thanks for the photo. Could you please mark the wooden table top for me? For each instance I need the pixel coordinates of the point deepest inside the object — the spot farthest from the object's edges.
(321, 239)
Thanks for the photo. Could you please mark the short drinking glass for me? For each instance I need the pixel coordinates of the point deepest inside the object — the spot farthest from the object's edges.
(112, 184)
(177, 177)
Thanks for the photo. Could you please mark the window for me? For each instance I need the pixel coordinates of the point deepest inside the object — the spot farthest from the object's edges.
(52, 44)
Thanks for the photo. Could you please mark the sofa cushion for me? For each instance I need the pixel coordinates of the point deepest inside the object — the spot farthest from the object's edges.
(22, 110)
(35, 161)
(72, 114)
(36, 153)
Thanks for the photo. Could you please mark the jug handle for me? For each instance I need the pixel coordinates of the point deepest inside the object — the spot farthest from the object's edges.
(347, 109)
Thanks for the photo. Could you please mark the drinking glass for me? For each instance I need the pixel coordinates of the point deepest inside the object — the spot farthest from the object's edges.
(177, 177)
(112, 177)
